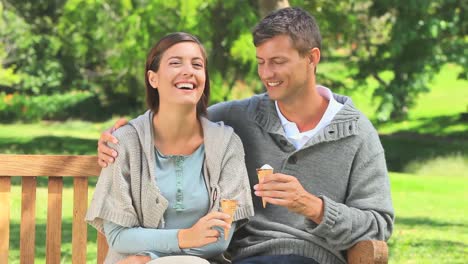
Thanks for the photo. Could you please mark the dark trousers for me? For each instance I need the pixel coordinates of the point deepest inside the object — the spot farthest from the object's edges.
(280, 259)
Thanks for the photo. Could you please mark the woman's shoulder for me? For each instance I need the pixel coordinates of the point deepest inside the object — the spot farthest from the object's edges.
(125, 132)
(127, 137)
(216, 128)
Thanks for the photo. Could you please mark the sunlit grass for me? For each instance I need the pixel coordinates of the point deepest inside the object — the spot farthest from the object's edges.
(430, 226)
(41, 222)
(453, 165)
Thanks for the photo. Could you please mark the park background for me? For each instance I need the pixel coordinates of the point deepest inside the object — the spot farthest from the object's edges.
(70, 68)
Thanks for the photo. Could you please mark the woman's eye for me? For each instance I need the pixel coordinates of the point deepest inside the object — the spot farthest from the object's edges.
(198, 65)
(174, 63)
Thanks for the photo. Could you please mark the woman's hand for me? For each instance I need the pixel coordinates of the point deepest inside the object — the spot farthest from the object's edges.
(135, 260)
(202, 233)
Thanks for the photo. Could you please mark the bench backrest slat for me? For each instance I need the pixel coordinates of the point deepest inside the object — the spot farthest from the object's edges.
(28, 219)
(5, 187)
(79, 232)
(49, 165)
(55, 167)
(54, 220)
(102, 248)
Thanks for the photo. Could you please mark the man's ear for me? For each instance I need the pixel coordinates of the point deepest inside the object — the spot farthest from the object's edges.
(314, 56)
(153, 79)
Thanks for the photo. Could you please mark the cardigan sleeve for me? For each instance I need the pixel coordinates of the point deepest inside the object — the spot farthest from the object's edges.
(112, 199)
(367, 212)
(234, 180)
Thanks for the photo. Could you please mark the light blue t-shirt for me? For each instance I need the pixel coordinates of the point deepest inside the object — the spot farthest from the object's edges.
(182, 183)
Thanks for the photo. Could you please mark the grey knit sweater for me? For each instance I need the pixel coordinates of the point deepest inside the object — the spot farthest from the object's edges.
(127, 192)
(344, 164)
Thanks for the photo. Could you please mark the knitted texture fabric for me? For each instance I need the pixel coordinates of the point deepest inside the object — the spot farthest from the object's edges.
(127, 192)
(343, 164)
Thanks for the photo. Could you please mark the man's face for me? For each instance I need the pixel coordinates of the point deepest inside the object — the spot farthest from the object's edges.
(285, 73)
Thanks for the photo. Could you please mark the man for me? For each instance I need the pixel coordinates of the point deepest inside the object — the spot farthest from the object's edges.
(331, 187)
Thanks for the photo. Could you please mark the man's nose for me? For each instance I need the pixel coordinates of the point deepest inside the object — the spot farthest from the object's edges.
(265, 72)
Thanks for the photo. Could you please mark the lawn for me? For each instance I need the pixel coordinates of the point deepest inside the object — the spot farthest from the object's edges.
(430, 226)
(41, 220)
(426, 154)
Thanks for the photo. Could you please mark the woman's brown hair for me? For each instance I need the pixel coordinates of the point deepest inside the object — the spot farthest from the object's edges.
(154, 59)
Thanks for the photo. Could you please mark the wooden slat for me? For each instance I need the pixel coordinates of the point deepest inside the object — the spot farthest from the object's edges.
(5, 188)
(54, 220)
(79, 237)
(102, 248)
(28, 219)
(368, 252)
(49, 165)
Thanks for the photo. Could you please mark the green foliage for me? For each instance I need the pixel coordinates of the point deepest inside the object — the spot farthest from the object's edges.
(423, 36)
(56, 47)
(400, 44)
(33, 108)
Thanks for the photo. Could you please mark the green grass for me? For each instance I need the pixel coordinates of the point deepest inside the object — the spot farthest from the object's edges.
(41, 216)
(431, 226)
(448, 95)
(71, 137)
(430, 201)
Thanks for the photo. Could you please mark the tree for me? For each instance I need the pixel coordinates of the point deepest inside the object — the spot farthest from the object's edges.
(267, 6)
(423, 36)
(63, 46)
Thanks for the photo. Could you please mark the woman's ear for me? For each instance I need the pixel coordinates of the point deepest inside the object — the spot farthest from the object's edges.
(153, 79)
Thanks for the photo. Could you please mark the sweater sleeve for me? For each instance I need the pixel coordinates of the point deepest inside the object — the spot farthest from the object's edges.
(112, 199)
(367, 212)
(234, 180)
(159, 242)
(133, 240)
(213, 249)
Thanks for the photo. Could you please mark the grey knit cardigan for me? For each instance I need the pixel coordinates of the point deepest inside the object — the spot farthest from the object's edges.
(127, 192)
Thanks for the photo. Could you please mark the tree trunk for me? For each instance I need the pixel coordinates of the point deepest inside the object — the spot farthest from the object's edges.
(267, 6)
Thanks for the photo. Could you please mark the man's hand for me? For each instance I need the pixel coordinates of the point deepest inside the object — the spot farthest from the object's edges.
(135, 260)
(105, 153)
(285, 190)
(202, 233)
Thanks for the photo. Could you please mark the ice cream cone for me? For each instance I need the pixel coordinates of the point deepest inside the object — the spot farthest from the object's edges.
(228, 207)
(262, 172)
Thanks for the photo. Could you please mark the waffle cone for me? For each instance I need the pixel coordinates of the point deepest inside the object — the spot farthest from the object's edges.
(262, 173)
(228, 207)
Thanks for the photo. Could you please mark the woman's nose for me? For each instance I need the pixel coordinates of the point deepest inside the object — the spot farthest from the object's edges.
(187, 70)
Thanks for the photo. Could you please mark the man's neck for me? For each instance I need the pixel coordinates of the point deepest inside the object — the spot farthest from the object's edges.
(306, 111)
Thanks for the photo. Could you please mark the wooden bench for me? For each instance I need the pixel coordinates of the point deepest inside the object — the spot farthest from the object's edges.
(29, 167)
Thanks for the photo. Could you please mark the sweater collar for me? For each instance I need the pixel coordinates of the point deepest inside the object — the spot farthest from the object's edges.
(214, 137)
(266, 117)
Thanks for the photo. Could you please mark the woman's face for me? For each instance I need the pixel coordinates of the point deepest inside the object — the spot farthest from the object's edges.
(181, 77)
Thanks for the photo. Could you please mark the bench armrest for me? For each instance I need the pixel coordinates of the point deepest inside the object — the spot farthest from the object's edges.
(368, 251)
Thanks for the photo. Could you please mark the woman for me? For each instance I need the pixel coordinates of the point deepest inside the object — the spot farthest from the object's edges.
(161, 196)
